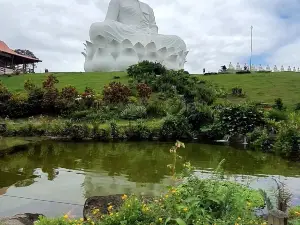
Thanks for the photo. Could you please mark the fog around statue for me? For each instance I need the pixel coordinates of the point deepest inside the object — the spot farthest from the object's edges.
(128, 35)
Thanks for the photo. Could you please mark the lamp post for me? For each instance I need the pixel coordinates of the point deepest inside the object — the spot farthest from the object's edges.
(251, 49)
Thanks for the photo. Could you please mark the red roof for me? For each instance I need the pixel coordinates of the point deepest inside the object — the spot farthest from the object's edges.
(6, 49)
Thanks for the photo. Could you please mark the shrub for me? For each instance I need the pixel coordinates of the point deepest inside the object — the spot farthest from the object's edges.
(144, 91)
(198, 116)
(77, 131)
(50, 82)
(17, 106)
(133, 112)
(175, 127)
(88, 97)
(237, 91)
(48, 101)
(279, 104)
(146, 67)
(277, 115)
(138, 131)
(243, 72)
(65, 103)
(100, 134)
(4, 93)
(261, 140)
(240, 119)
(156, 109)
(35, 99)
(286, 142)
(297, 107)
(116, 93)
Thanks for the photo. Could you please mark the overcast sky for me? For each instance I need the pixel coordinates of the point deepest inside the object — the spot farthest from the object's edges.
(216, 31)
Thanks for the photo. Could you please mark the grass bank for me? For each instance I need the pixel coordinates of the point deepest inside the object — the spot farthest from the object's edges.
(262, 87)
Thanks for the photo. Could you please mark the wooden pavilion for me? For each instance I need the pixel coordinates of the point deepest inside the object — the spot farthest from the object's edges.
(10, 61)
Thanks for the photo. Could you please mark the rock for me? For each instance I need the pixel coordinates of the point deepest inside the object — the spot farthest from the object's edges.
(20, 219)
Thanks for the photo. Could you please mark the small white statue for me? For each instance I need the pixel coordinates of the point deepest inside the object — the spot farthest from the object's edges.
(282, 69)
(230, 67)
(238, 66)
(268, 68)
(253, 68)
(260, 68)
(298, 69)
(289, 69)
(275, 69)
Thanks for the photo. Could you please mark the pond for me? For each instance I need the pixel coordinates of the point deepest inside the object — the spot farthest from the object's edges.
(54, 178)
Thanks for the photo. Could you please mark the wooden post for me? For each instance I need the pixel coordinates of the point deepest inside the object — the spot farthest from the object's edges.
(277, 217)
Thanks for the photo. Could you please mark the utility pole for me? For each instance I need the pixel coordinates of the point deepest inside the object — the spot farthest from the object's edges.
(251, 49)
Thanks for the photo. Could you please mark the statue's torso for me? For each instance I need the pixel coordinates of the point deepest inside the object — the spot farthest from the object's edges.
(133, 12)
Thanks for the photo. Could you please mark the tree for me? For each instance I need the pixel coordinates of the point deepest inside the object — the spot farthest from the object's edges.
(26, 53)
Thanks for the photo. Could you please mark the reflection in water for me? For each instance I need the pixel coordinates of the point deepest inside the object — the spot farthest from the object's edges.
(71, 172)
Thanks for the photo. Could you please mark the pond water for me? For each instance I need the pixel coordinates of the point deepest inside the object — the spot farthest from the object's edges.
(54, 178)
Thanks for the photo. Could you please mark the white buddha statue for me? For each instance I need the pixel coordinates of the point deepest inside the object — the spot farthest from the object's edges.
(128, 35)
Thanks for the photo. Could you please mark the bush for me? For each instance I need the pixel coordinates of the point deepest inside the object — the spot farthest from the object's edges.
(175, 127)
(65, 103)
(240, 119)
(50, 82)
(260, 140)
(243, 72)
(297, 107)
(198, 116)
(133, 112)
(77, 131)
(4, 93)
(156, 109)
(35, 99)
(17, 106)
(277, 115)
(237, 91)
(48, 101)
(146, 67)
(116, 93)
(144, 91)
(138, 131)
(286, 142)
(279, 104)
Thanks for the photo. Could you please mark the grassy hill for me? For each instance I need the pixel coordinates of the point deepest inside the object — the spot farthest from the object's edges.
(79, 80)
(262, 87)
(258, 87)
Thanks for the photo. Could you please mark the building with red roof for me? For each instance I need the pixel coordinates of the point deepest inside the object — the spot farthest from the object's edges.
(9, 59)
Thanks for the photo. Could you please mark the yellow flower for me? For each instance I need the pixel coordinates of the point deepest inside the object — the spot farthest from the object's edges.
(248, 203)
(111, 214)
(160, 220)
(236, 224)
(95, 211)
(81, 219)
(66, 216)
(185, 209)
(156, 200)
(239, 218)
(128, 205)
(110, 208)
(93, 223)
(124, 197)
(166, 196)
(297, 213)
(173, 191)
(264, 223)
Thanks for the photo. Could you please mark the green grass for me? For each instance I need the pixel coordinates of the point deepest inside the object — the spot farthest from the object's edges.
(262, 87)
(258, 86)
(79, 80)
